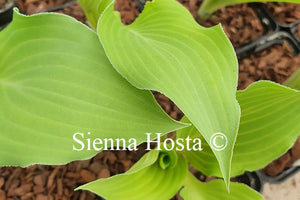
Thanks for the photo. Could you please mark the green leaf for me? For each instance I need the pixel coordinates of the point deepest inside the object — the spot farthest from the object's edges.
(147, 179)
(269, 127)
(167, 51)
(205, 160)
(55, 80)
(210, 6)
(293, 81)
(93, 9)
(214, 190)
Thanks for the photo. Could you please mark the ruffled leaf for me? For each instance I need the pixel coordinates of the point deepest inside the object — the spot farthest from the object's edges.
(167, 51)
(55, 80)
(148, 179)
(269, 127)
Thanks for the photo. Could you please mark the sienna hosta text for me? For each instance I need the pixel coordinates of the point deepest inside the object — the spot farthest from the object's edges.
(86, 142)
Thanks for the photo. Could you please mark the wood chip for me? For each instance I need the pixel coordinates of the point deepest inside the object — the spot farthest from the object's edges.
(51, 177)
(59, 187)
(41, 197)
(104, 173)
(23, 189)
(2, 195)
(39, 180)
(28, 196)
(1, 182)
(87, 176)
(38, 189)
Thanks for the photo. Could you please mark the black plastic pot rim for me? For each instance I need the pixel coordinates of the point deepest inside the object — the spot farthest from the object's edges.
(253, 180)
(283, 176)
(257, 179)
(6, 13)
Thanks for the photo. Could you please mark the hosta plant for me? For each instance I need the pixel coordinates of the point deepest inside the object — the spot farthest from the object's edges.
(66, 88)
(209, 6)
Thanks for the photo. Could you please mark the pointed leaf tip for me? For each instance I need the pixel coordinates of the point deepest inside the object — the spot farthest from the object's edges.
(181, 62)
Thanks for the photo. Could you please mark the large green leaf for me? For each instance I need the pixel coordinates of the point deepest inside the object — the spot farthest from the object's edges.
(269, 127)
(210, 6)
(294, 80)
(55, 80)
(167, 51)
(214, 190)
(148, 179)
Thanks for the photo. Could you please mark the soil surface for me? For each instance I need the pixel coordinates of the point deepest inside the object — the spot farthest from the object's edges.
(284, 190)
(241, 26)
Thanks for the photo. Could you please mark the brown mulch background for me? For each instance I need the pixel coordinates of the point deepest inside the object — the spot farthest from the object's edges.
(3, 4)
(241, 26)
